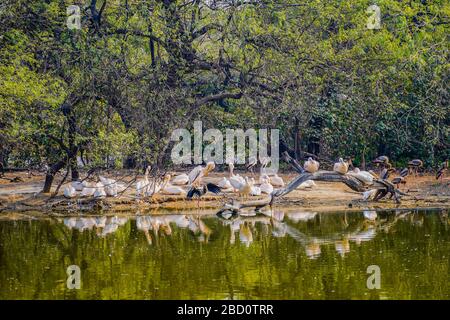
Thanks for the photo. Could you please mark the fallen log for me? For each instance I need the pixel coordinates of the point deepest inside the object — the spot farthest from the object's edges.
(384, 187)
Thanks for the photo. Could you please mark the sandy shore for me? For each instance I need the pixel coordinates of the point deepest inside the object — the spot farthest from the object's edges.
(423, 192)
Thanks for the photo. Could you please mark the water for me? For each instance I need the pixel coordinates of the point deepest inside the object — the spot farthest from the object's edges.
(295, 255)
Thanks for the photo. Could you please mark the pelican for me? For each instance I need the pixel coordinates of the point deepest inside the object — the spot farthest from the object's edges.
(277, 181)
(142, 185)
(341, 166)
(367, 195)
(180, 180)
(106, 181)
(306, 185)
(154, 187)
(232, 176)
(111, 190)
(99, 190)
(311, 165)
(262, 170)
(77, 185)
(167, 188)
(244, 189)
(69, 191)
(224, 183)
(255, 191)
(88, 189)
(363, 176)
(265, 186)
(252, 161)
(200, 191)
(110, 186)
(197, 174)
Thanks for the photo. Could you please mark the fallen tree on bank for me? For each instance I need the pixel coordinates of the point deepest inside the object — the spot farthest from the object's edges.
(383, 187)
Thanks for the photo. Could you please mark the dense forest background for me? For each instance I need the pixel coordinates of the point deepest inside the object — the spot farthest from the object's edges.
(112, 92)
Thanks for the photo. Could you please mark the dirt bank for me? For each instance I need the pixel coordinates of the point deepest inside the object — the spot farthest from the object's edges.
(23, 194)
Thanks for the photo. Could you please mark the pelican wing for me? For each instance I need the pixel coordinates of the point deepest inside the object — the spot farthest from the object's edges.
(193, 192)
(235, 183)
(213, 188)
(195, 173)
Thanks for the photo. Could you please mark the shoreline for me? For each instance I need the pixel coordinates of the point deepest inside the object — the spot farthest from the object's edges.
(326, 196)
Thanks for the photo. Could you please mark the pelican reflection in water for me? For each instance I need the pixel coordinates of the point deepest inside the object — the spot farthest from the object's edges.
(103, 225)
(356, 229)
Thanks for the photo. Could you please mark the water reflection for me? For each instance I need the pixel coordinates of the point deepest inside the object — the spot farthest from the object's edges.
(273, 222)
(103, 225)
(272, 254)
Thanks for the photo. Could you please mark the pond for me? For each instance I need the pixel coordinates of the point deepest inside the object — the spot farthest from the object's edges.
(291, 255)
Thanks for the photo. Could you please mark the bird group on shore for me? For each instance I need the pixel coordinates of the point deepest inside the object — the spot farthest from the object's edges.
(192, 184)
(105, 187)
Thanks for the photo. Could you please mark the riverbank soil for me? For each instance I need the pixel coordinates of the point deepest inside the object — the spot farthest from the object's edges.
(21, 191)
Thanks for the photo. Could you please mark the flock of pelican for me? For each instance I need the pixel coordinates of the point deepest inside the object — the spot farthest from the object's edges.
(146, 187)
(192, 184)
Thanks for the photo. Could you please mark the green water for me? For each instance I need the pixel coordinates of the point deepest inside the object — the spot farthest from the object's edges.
(295, 255)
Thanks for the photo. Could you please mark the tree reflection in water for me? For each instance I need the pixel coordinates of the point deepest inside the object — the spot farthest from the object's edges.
(284, 253)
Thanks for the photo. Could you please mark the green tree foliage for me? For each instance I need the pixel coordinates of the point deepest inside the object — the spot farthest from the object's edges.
(113, 91)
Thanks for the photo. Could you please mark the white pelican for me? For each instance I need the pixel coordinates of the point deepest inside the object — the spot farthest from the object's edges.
(99, 190)
(363, 176)
(120, 187)
(311, 165)
(255, 191)
(196, 175)
(252, 162)
(106, 181)
(236, 177)
(367, 195)
(110, 186)
(306, 184)
(142, 185)
(224, 184)
(167, 188)
(88, 189)
(341, 166)
(180, 180)
(276, 181)
(265, 186)
(111, 190)
(77, 185)
(244, 189)
(69, 191)
(153, 188)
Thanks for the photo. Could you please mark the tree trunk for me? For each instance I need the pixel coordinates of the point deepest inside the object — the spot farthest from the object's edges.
(297, 146)
(51, 175)
(363, 159)
(74, 169)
